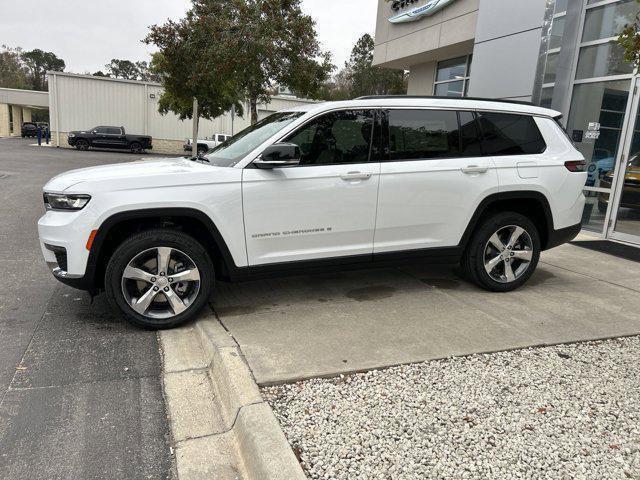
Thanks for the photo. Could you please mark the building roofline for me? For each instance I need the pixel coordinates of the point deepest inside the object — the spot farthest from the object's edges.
(23, 90)
(106, 79)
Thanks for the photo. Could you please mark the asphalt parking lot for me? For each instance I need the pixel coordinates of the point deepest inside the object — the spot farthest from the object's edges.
(80, 391)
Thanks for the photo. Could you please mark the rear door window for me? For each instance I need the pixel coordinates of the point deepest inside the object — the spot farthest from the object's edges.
(113, 131)
(423, 134)
(510, 134)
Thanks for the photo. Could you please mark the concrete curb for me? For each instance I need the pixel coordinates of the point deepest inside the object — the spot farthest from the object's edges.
(262, 447)
(225, 415)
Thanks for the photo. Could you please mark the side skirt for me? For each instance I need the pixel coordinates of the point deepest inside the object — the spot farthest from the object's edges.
(431, 256)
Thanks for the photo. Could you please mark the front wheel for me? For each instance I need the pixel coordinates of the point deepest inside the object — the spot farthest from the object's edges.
(159, 278)
(135, 147)
(503, 253)
(82, 145)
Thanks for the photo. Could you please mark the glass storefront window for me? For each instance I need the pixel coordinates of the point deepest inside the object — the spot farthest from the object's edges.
(454, 69)
(550, 68)
(557, 31)
(561, 6)
(452, 77)
(609, 20)
(546, 96)
(450, 89)
(602, 61)
(603, 103)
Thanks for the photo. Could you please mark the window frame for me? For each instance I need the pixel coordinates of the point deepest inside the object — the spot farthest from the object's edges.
(384, 158)
(373, 157)
(465, 79)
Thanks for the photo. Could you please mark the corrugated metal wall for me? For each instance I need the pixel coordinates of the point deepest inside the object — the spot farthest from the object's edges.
(80, 102)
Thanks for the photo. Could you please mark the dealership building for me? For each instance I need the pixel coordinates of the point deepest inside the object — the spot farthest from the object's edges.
(556, 53)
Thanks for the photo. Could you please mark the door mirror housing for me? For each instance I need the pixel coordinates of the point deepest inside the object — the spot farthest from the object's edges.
(279, 155)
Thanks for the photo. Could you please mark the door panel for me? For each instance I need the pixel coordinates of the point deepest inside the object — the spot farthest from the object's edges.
(326, 207)
(433, 182)
(428, 203)
(309, 213)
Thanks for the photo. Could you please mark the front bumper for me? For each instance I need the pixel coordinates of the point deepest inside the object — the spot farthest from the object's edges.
(63, 240)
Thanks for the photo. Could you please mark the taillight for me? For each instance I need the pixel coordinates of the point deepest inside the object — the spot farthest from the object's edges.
(576, 165)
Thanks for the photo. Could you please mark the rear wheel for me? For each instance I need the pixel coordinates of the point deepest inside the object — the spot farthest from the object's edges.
(135, 147)
(202, 150)
(82, 145)
(503, 253)
(159, 278)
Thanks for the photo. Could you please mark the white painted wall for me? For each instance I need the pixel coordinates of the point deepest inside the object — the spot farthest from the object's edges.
(80, 102)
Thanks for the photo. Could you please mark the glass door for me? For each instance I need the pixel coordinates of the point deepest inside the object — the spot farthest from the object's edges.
(625, 213)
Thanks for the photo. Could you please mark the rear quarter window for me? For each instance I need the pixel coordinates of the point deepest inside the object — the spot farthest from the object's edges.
(510, 134)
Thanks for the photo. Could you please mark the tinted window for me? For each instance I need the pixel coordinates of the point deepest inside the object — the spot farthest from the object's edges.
(113, 131)
(337, 137)
(508, 134)
(423, 134)
(101, 130)
(470, 143)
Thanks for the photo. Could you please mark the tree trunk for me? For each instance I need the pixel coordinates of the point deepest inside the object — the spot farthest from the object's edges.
(194, 138)
(254, 109)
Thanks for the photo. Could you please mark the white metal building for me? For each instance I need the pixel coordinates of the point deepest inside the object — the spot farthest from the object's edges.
(80, 102)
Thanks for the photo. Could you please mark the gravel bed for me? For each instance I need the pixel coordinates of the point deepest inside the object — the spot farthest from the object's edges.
(565, 412)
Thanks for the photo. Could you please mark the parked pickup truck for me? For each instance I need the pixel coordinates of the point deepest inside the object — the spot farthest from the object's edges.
(109, 137)
(206, 144)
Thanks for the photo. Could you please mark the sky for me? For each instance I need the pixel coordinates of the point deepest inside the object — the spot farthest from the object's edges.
(88, 34)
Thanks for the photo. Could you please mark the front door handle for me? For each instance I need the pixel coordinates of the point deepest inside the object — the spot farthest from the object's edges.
(475, 169)
(356, 176)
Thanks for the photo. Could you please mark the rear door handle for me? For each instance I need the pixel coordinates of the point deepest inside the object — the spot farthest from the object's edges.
(475, 169)
(356, 176)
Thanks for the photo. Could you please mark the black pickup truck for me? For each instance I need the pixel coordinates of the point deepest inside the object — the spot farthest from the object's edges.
(109, 137)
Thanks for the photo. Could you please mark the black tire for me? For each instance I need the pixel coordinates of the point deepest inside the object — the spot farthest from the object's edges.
(473, 260)
(602, 207)
(202, 150)
(135, 147)
(82, 145)
(142, 242)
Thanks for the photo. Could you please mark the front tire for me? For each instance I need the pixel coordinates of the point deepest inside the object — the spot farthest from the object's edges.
(159, 278)
(135, 147)
(503, 252)
(82, 145)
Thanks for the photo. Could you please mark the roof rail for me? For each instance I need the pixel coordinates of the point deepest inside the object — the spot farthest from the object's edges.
(440, 97)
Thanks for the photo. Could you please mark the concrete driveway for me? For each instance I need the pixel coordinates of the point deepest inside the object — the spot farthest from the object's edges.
(302, 327)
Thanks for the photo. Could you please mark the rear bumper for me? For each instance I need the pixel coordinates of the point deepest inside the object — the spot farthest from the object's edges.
(564, 235)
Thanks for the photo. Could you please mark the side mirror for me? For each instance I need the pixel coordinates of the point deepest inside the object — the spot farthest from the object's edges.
(279, 155)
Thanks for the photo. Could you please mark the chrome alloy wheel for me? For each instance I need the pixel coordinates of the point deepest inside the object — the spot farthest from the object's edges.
(508, 254)
(160, 282)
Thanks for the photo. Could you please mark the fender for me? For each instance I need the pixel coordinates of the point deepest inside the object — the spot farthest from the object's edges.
(107, 225)
(492, 199)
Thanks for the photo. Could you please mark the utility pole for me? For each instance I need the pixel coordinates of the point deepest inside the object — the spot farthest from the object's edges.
(194, 138)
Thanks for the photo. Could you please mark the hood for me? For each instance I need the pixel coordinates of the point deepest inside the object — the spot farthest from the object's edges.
(164, 170)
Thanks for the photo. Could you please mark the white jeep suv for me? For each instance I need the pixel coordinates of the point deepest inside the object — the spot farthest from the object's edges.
(378, 180)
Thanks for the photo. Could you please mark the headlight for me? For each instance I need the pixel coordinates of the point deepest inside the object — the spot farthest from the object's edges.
(71, 135)
(61, 201)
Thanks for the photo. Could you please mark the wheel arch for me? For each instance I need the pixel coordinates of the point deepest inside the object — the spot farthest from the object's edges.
(119, 226)
(532, 204)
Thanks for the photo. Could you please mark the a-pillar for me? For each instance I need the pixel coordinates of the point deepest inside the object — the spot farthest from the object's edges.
(16, 117)
(4, 120)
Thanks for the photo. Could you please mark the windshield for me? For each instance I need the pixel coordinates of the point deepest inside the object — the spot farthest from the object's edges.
(237, 147)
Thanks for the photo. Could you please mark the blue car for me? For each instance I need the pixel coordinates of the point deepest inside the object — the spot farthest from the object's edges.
(598, 169)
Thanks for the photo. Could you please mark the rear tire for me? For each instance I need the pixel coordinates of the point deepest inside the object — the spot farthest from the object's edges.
(202, 150)
(141, 270)
(494, 261)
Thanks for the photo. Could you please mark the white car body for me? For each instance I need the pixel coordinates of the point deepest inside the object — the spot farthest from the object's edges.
(272, 217)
